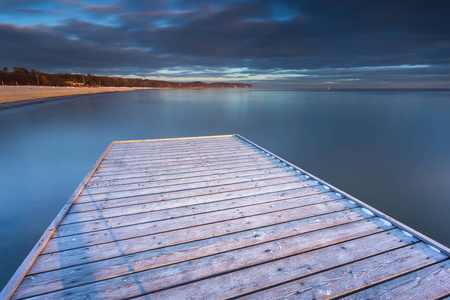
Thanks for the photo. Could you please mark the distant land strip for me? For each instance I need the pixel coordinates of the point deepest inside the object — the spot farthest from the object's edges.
(21, 76)
(22, 87)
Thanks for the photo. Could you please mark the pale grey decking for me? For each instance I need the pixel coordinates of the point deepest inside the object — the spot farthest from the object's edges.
(219, 217)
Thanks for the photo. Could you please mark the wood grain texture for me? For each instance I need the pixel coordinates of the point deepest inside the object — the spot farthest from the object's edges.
(163, 239)
(216, 168)
(299, 197)
(175, 154)
(252, 233)
(159, 151)
(297, 266)
(104, 269)
(192, 165)
(162, 193)
(357, 275)
(207, 180)
(147, 281)
(230, 158)
(178, 158)
(166, 186)
(194, 175)
(429, 283)
(143, 229)
(122, 207)
(175, 141)
(188, 142)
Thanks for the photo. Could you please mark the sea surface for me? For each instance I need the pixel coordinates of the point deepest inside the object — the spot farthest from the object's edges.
(389, 148)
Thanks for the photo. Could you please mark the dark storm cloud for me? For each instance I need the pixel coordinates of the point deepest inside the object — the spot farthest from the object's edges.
(101, 10)
(98, 34)
(334, 34)
(13, 4)
(327, 41)
(44, 50)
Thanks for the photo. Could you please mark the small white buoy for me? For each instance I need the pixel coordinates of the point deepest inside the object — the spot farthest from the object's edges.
(368, 212)
(350, 201)
(306, 176)
(339, 195)
(325, 187)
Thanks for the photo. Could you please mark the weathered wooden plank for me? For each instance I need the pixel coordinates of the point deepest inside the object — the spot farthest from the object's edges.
(136, 284)
(161, 193)
(150, 157)
(163, 150)
(170, 186)
(220, 167)
(192, 165)
(177, 140)
(200, 180)
(173, 142)
(104, 269)
(138, 149)
(130, 158)
(173, 153)
(430, 283)
(122, 207)
(181, 179)
(178, 157)
(289, 209)
(354, 276)
(164, 239)
(257, 232)
(213, 174)
(187, 142)
(170, 160)
(272, 273)
(123, 227)
(272, 199)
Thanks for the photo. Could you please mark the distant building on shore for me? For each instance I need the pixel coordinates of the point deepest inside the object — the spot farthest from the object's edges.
(77, 84)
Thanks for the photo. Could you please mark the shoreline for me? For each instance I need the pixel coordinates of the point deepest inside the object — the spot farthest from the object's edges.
(16, 96)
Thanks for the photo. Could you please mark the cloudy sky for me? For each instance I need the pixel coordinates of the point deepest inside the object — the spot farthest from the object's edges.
(287, 44)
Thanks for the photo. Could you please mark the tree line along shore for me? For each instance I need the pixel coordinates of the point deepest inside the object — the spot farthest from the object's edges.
(23, 76)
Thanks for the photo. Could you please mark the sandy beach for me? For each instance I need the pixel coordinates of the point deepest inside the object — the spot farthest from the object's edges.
(24, 94)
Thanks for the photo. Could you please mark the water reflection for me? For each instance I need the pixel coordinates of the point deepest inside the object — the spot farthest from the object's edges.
(388, 148)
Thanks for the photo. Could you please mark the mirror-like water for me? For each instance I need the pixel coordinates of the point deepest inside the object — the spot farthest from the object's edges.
(390, 149)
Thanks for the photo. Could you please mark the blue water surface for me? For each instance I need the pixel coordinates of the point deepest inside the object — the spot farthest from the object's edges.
(388, 148)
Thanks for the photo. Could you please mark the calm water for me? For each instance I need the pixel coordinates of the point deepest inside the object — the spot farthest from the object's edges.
(390, 149)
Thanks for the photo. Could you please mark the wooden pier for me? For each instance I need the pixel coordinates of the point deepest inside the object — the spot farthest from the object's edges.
(220, 217)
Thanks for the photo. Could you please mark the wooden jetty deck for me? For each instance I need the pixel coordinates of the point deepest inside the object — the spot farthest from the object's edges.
(220, 217)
